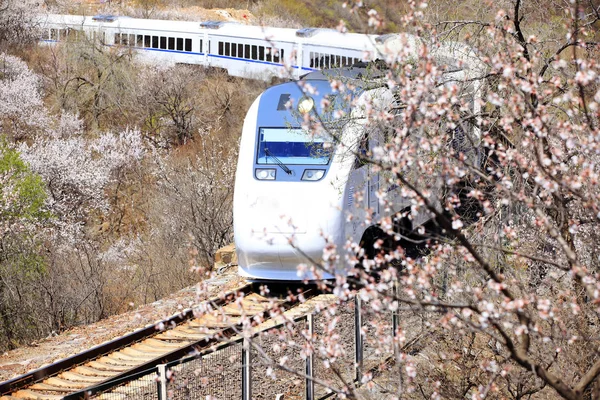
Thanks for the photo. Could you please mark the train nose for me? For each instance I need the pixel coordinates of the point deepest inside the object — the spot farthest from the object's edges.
(278, 228)
(271, 214)
(277, 256)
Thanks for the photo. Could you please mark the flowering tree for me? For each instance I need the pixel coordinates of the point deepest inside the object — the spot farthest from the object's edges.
(503, 279)
(18, 22)
(56, 183)
(22, 111)
(78, 171)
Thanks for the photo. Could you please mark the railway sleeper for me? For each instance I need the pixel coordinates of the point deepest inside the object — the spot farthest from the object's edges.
(248, 309)
(154, 349)
(175, 335)
(138, 353)
(74, 376)
(116, 361)
(196, 331)
(165, 343)
(121, 355)
(66, 383)
(45, 387)
(105, 366)
(212, 321)
(30, 394)
(85, 370)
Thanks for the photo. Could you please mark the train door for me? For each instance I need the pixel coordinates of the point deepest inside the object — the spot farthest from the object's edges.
(204, 48)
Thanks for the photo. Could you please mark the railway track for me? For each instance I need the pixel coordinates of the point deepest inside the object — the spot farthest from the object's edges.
(143, 349)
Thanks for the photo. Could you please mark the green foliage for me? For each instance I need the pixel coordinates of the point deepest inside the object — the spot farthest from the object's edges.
(23, 192)
(23, 266)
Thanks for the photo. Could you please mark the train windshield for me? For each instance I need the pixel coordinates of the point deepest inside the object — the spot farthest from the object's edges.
(292, 146)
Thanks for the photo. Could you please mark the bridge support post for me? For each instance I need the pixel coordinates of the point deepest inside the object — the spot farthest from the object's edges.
(162, 381)
(246, 370)
(358, 339)
(310, 384)
(395, 316)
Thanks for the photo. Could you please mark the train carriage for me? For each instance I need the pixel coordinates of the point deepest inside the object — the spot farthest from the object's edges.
(243, 50)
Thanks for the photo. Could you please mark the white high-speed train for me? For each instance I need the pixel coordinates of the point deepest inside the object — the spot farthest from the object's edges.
(243, 50)
(295, 187)
(290, 185)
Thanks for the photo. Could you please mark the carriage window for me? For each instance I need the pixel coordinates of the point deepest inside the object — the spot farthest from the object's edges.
(220, 52)
(277, 54)
(140, 41)
(171, 43)
(188, 44)
(155, 42)
(255, 52)
(124, 39)
(227, 49)
(117, 38)
(179, 44)
(247, 51)
(132, 40)
(269, 55)
(234, 50)
(261, 52)
(163, 42)
(147, 41)
(240, 52)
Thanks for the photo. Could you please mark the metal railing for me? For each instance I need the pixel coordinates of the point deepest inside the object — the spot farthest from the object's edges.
(243, 367)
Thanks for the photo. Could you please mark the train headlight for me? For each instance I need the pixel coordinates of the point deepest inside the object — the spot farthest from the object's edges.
(305, 105)
(313, 174)
(265, 174)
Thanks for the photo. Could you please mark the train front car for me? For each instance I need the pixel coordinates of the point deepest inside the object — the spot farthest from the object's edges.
(291, 187)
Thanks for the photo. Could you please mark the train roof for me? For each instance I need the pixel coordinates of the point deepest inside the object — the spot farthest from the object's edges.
(309, 36)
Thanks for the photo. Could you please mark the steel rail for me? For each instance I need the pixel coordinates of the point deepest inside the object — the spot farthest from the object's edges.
(197, 346)
(37, 375)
